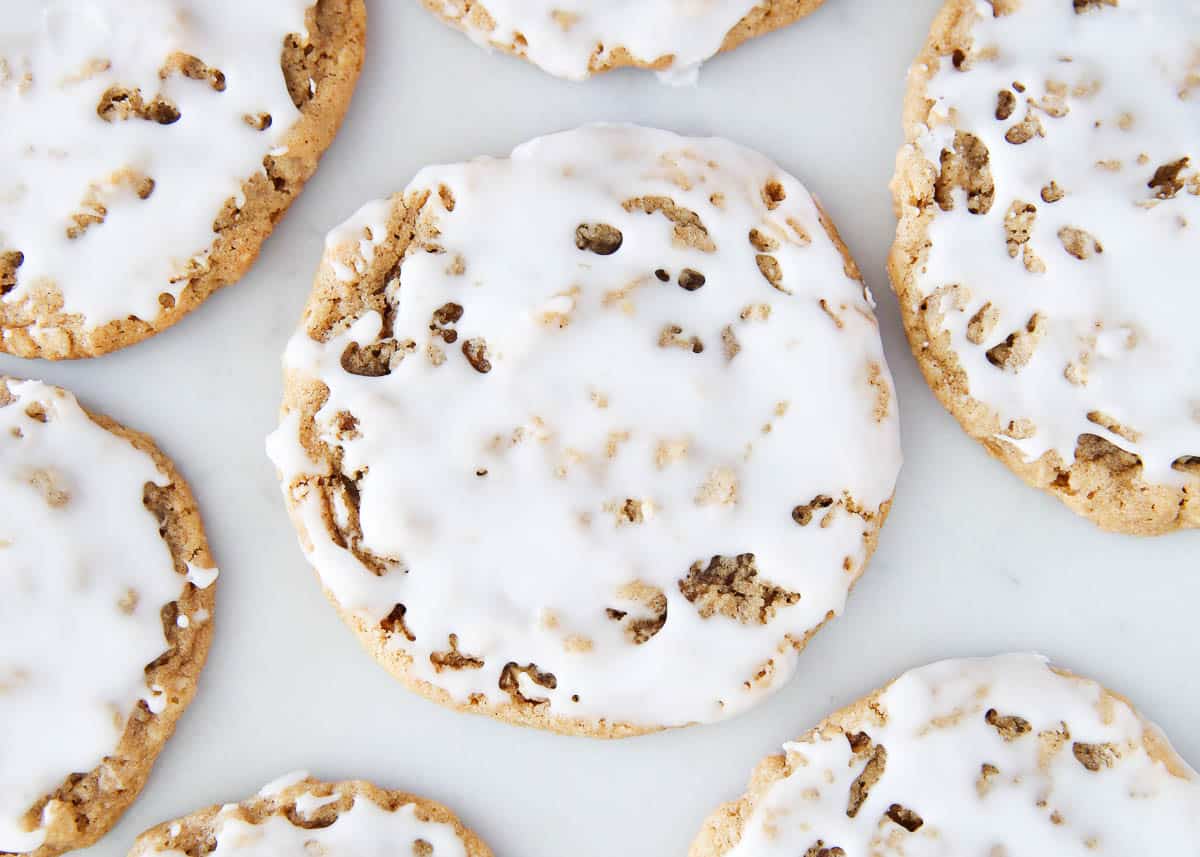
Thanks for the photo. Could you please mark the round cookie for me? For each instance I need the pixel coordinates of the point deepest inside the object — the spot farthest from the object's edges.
(150, 148)
(106, 601)
(619, 444)
(576, 38)
(300, 815)
(1045, 259)
(989, 756)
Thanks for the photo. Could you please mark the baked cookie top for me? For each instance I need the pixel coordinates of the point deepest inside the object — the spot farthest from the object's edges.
(1050, 238)
(297, 814)
(148, 147)
(574, 38)
(106, 599)
(990, 756)
(594, 437)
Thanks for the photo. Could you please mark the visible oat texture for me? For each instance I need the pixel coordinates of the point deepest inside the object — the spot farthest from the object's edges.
(352, 287)
(332, 59)
(87, 804)
(1103, 481)
(854, 727)
(307, 804)
(764, 18)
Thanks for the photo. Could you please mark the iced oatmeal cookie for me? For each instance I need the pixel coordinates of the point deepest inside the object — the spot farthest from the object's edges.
(577, 38)
(1049, 242)
(592, 438)
(106, 600)
(298, 814)
(149, 148)
(988, 756)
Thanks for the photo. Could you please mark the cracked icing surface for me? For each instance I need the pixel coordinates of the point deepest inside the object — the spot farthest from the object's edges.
(149, 147)
(1048, 247)
(297, 814)
(547, 418)
(990, 756)
(90, 594)
(574, 38)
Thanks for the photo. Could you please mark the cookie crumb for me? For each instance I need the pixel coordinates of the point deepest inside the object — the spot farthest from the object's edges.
(1009, 726)
(689, 231)
(719, 489)
(1079, 243)
(1095, 756)
(510, 682)
(803, 514)
(599, 238)
(871, 773)
(453, 659)
(906, 818)
(773, 194)
(967, 167)
(731, 587)
(987, 773)
(476, 351)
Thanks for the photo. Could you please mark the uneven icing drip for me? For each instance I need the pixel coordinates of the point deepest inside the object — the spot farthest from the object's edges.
(365, 830)
(1089, 251)
(568, 37)
(988, 757)
(579, 436)
(83, 577)
(117, 209)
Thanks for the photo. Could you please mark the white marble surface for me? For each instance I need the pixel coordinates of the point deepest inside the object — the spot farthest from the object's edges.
(971, 562)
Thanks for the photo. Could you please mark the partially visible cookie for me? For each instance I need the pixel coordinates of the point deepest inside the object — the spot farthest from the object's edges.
(592, 438)
(1049, 241)
(106, 601)
(149, 149)
(298, 815)
(576, 38)
(990, 756)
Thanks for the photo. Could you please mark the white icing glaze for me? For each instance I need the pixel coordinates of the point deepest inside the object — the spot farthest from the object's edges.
(201, 578)
(1127, 316)
(57, 59)
(365, 830)
(75, 540)
(523, 562)
(281, 784)
(1040, 799)
(564, 36)
(307, 804)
